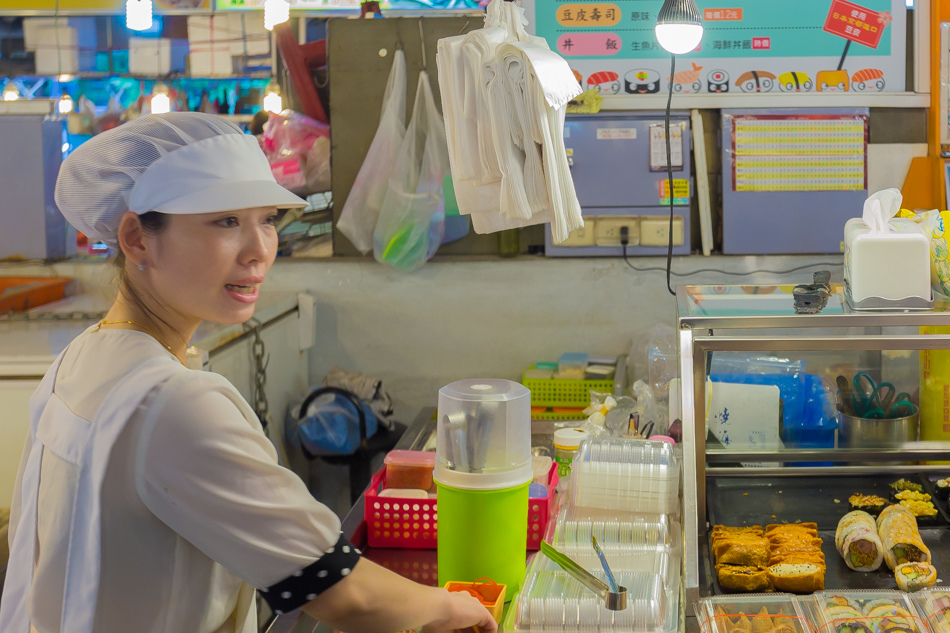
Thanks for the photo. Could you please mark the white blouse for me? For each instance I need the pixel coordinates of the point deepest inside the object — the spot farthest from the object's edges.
(196, 511)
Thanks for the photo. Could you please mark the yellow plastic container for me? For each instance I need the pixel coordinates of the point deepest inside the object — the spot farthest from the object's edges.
(935, 391)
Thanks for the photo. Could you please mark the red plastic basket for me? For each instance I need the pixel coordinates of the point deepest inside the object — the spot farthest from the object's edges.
(413, 523)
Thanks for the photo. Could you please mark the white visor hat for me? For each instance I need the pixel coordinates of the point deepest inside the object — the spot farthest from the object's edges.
(177, 163)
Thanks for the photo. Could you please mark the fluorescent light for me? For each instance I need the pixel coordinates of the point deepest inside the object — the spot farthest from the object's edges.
(275, 12)
(138, 14)
(679, 27)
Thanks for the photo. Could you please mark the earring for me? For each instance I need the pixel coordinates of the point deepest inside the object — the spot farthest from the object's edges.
(143, 264)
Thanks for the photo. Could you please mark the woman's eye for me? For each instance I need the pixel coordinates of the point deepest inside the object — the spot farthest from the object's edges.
(272, 220)
(228, 222)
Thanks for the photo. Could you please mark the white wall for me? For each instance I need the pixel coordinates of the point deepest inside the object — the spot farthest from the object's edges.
(477, 318)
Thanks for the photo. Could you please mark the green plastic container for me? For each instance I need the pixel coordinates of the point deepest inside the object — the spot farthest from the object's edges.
(483, 533)
(483, 470)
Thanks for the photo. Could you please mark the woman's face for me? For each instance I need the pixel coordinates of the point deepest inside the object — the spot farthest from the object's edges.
(209, 266)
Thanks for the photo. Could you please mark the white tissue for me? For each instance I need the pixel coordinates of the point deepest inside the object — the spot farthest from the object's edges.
(880, 207)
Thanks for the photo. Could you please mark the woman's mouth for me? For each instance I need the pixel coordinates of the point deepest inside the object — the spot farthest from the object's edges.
(242, 293)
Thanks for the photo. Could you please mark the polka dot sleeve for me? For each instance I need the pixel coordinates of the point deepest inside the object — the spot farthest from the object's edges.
(306, 584)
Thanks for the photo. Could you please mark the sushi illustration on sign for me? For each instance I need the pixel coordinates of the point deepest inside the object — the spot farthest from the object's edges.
(687, 81)
(642, 81)
(855, 24)
(607, 82)
(717, 81)
(756, 81)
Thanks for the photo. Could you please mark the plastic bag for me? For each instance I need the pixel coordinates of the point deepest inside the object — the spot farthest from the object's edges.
(934, 224)
(331, 425)
(608, 415)
(361, 210)
(409, 229)
(298, 150)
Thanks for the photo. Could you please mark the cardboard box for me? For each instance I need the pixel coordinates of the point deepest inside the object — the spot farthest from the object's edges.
(57, 50)
(149, 56)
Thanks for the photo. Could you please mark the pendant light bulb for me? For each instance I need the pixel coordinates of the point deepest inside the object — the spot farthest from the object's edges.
(10, 93)
(272, 99)
(160, 102)
(679, 27)
(275, 12)
(65, 105)
(138, 14)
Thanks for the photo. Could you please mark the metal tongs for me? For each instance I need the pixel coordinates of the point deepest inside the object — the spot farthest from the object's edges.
(614, 596)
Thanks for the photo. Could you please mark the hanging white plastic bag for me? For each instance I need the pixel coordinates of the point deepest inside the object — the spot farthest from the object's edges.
(361, 211)
(409, 230)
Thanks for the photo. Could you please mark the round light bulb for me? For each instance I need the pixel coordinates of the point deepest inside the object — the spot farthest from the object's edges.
(679, 39)
(160, 102)
(275, 12)
(65, 105)
(10, 92)
(273, 102)
(65, 78)
(138, 14)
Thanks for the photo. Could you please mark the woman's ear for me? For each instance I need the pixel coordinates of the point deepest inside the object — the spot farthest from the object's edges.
(131, 238)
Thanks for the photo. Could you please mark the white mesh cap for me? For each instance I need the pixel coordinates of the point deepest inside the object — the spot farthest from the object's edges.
(178, 163)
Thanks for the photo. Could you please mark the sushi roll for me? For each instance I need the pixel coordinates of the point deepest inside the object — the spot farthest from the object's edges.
(857, 541)
(914, 576)
(943, 487)
(872, 504)
(903, 484)
(897, 528)
(642, 81)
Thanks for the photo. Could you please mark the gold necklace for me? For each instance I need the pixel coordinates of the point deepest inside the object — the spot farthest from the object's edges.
(147, 331)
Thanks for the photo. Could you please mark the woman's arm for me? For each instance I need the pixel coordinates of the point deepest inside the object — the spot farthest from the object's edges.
(373, 599)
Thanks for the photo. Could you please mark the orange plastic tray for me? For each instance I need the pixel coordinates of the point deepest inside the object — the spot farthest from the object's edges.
(22, 293)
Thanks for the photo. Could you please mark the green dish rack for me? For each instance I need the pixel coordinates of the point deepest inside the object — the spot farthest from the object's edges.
(559, 392)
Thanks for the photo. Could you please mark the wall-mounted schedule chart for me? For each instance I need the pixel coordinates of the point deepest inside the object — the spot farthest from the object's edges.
(816, 153)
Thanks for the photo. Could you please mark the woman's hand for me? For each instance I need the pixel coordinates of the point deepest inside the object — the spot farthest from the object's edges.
(464, 611)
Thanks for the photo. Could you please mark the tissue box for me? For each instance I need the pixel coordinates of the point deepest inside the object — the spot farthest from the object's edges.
(889, 270)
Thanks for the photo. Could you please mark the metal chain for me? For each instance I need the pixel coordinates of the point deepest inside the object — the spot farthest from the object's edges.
(261, 360)
(52, 316)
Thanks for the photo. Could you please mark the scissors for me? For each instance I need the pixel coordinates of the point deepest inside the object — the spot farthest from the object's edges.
(878, 401)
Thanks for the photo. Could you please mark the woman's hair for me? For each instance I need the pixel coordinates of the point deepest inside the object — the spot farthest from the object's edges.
(153, 223)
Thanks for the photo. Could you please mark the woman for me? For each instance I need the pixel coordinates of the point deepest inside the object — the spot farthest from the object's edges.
(148, 498)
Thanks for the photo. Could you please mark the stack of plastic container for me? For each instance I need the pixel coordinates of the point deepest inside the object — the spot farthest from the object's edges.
(867, 611)
(626, 494)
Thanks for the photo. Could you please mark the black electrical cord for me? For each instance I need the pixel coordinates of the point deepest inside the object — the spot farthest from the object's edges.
(669, 172)
(669, 272)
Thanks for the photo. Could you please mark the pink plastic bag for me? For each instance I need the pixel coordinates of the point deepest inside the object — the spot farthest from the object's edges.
(298, 149)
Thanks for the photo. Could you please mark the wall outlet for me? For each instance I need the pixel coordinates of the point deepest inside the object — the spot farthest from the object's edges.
(608, 230)
(584, 236)
(655, 230)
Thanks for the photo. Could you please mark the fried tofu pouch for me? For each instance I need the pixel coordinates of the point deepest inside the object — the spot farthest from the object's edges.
(751, 552)
(797, 577)
(743, 578)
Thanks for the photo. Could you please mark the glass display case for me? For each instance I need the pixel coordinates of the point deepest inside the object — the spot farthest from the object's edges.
(788, 416)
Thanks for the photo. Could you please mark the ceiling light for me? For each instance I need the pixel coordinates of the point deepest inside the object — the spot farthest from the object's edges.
(138, 14)
(160, 103)
(65, 105)
(275, 12)
(679, 28)
(272, 100)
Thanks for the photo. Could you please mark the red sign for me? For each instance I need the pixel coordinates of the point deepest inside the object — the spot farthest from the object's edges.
(761, 43)
(854, 22)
